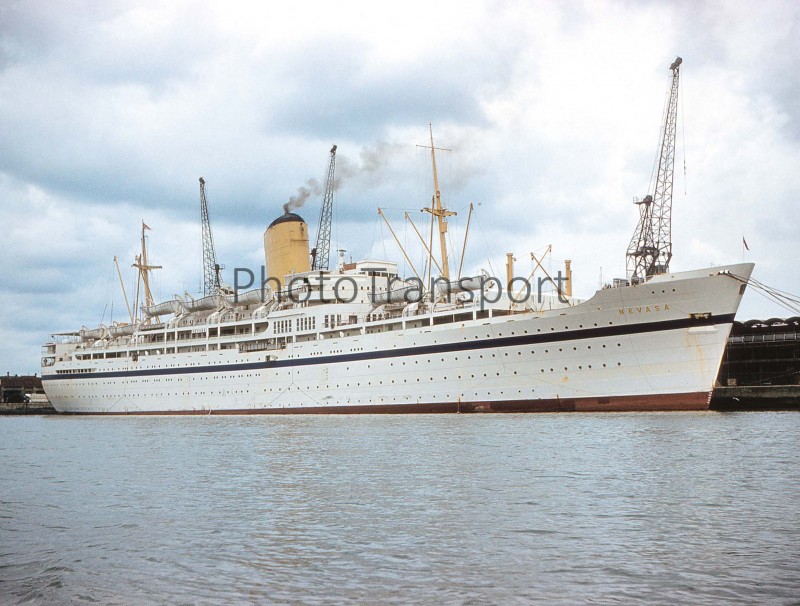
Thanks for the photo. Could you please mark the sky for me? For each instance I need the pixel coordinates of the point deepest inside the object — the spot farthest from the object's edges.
(549, 111)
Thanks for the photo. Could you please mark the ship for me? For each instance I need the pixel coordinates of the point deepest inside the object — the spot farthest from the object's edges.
(644, 347)
(359, 338)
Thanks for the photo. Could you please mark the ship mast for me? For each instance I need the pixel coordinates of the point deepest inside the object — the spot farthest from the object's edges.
(144, 275)
(438, 210)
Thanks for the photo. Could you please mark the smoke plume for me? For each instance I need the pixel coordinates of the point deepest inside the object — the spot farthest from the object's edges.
(372, 168)
(304, 192)
(376, 160)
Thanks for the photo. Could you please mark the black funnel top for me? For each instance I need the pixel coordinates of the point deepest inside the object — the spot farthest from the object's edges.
(287, 217)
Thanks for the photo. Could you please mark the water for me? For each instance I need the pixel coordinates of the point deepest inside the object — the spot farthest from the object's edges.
(453, 509)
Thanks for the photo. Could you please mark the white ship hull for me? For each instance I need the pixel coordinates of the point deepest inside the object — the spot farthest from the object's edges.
(654, 346)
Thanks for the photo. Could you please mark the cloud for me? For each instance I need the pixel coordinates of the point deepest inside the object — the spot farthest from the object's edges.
(111, 112)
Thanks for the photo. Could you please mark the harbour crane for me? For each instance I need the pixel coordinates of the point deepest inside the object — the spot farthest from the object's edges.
(650, 248)
(320, 255)
(211, 282)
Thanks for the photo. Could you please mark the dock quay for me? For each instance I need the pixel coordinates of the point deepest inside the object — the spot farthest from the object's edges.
(760, 368)
(23, 395)
(756, 397)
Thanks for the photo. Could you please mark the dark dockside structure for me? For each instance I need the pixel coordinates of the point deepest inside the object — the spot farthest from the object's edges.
(23, 394)
(761, 366)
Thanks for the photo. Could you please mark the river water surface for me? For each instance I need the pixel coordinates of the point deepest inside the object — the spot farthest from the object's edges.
(668, 508)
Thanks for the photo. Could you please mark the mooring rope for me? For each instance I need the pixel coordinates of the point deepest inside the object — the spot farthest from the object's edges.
(786, 300)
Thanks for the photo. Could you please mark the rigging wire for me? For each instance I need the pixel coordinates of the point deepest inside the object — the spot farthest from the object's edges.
(405, 241)
(488, 246)
(455, 243)
(334, 217)
(683, 136)
(383, 240)
(651, 186)
(375, 228)
(109, 295)
(155, 286)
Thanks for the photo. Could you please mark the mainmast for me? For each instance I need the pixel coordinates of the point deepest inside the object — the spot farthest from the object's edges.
(144, 274)
(437, 210)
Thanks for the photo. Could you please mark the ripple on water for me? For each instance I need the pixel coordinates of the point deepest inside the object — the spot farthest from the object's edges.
(666, 508)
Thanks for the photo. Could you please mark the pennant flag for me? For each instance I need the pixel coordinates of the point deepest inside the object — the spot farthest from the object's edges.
(745, 243)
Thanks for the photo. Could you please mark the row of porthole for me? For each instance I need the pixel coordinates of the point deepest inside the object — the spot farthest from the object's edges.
(506, 354)
(472, 376)
(136, 381)
(579, 367)
(444, 378)
(185, 393)
(552, 329)
(368, 365)
(432, 396)
(393, 382)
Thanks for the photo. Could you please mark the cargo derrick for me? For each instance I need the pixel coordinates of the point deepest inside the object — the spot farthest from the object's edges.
(320, 255)
(650, 248)
(211, 282)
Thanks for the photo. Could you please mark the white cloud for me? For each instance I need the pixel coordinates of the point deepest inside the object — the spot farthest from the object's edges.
(111, 113)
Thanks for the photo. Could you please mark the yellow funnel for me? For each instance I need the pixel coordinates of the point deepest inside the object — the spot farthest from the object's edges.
(286, 247)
